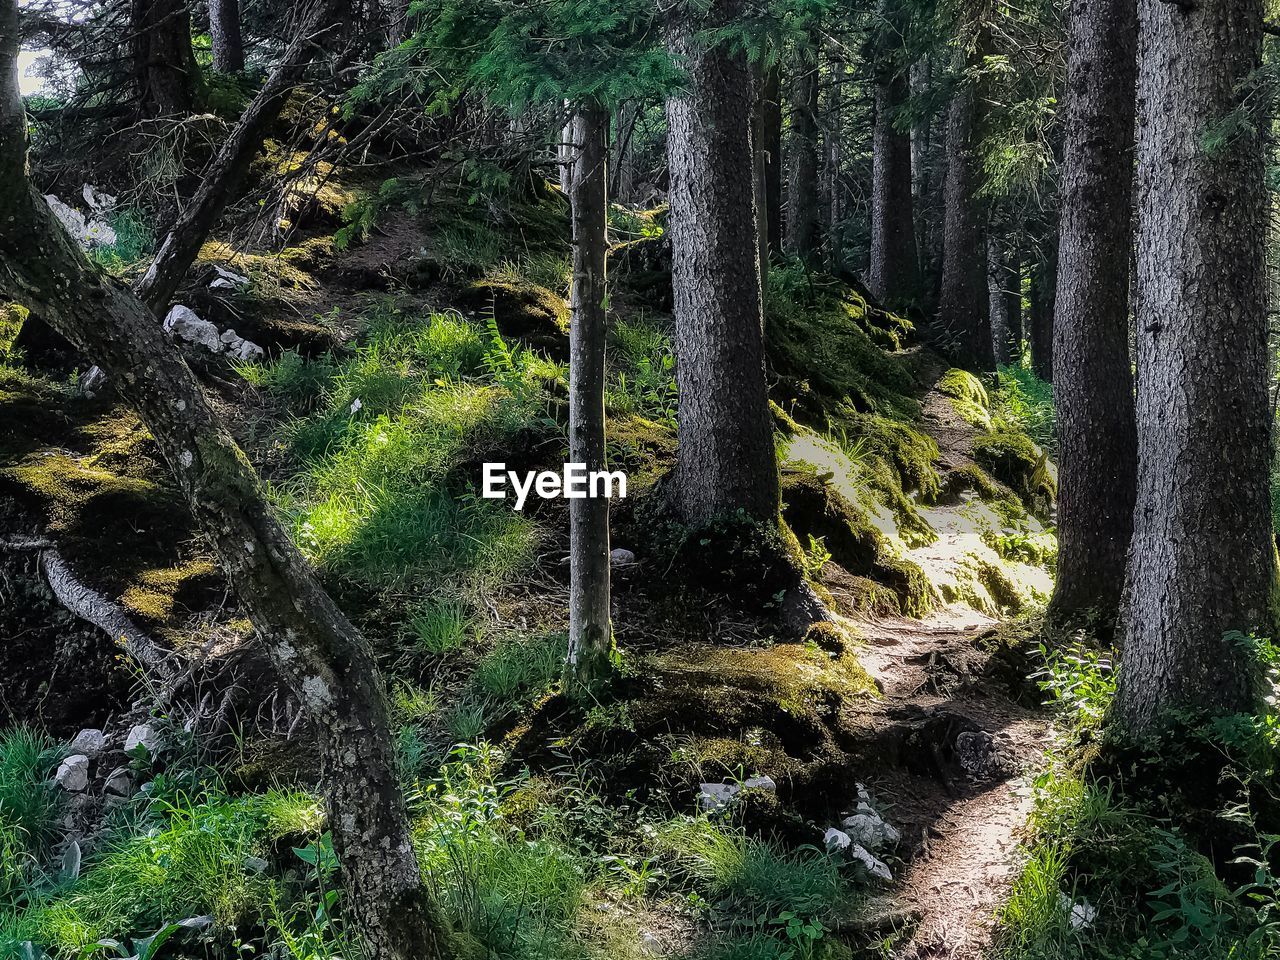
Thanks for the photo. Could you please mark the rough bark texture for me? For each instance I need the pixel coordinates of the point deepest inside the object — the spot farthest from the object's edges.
(319, 655)
(726, 457)
(1044, 298)
(1004, 309)
(1093, 390)
(894, 273)
(1202, 562)
(590, 633)
(833, 140)
(183, 241)
(963, 302)
(802, 174)
(769, 115)
(224, 32)
(163, 62)
(760, 171)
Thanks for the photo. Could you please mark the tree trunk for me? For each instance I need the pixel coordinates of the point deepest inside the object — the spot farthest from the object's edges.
(1093, 389)
(802, 180)
(760, 171)
(834, 141)
(590, 632)
(224, 31)
(1044, 295)
(226, 173)
(1202, 561)
(770, 119)
(894, 273)
(1005, 312)
(963, 302)
(322, 659)
(164, 64)
(726, 458)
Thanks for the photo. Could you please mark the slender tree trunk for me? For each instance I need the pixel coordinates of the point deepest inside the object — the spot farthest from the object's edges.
(590, 632)
(894, 274)
(769, 115)
(224, 31)
(1093, 384)
(164, 64)
(802, 180)
(1044, 294)
(320, 657)
(834, 140)
(1202, 560)
(726, 458)
(564, 150)
(760, 171)
(963, 303)
(226, 173)
(1005, 312)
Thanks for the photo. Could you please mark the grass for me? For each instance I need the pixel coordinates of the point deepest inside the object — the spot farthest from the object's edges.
(29, 805)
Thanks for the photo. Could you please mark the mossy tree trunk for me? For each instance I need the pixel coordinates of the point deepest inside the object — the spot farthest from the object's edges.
(225, 35)
(590, 630)
(227, 171)
(1202, 560)
(964, 300)
(802, 234)
(322, 659)
(164, 63)
(726, 460)
(894, 273)
(1093, 392)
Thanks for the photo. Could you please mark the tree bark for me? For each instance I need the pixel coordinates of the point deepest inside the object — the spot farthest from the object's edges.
(1093, 388)
(726, 460)
(760, 171)
(963, 302)
(1005, 311)
(769, 116)
(1044, 296)
(164, 64)
(802, 181)
(224, 31)
(226, 173)
(834, 142)
(322, 659)
(1202, 561)
(590, 631)
(894, 273)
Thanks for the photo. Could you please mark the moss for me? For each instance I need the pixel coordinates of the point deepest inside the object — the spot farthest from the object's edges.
(266, 270)
(967, 395)
(1015, 460)
(643, 448)
(815, 508)
(522, 310)
(12, 317)
(912, 453)
(972, 477)
(157, 595)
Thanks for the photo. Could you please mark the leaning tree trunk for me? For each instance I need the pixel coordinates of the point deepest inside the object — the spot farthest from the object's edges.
(802, 233)
(590, 633)
(182, 243)
(963, 301)
(322, 659)
(726, 460)
(894, 273)
(1093, 383)
(224, 32)
(164, 64)
(1202, 562)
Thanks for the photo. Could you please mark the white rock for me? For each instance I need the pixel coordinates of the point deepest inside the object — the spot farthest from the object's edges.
(229, 337)
(99, 233)
(73, 774)
(650, 945)
(92, 382)
(89, 742)
(143, 735)
(870, 864)
(864, 800)
(183, 324)
(96, 199)
(227, 280)
(620, 557)
(871, 831)
(717, 796)
(836, 840)
(85, 233)
(760, 783)
(247, 350)
(1080, 915)
(119, 782)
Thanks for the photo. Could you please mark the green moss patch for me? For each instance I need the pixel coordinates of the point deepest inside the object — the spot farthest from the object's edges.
(522, 310)
(1016, 461)
(967, 395)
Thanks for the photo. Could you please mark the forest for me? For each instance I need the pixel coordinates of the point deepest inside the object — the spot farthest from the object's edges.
(621, 479)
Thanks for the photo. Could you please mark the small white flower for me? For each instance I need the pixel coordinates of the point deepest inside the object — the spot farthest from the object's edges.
(356, 405)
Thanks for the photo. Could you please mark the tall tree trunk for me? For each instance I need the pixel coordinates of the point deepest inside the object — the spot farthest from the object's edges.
(1202, 561)
(963, 301)
(224, 31)
(769, 116)
(1044, 295)
(590, 631)
(1006, 316)
(802, 177)
(320, 656)
(227, 171)
(927, 139)
(834, 140)
(164, 64)
(760, 171)
(1093, 383)
(894, 273)
(726, 458)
